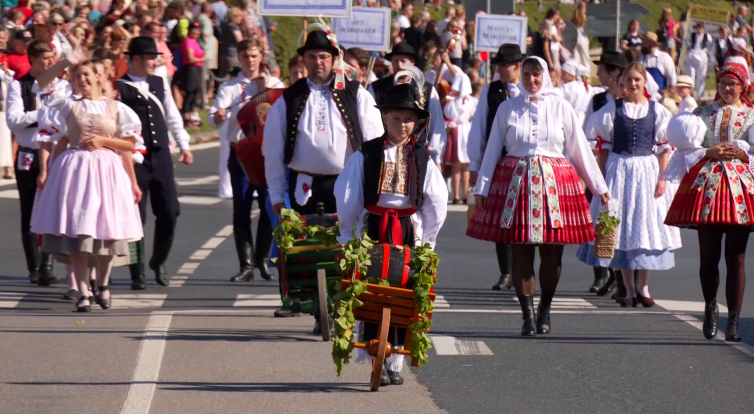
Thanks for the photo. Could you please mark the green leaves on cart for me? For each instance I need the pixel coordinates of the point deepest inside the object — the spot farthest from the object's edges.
(291, 227)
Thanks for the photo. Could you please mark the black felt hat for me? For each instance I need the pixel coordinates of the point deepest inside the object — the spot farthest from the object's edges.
(317, 40)
(403, 96)
(508, 53)
(142, 45)
(612, 57)
(402, 49)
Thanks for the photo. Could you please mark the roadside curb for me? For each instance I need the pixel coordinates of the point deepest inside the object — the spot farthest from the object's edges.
(203, 137)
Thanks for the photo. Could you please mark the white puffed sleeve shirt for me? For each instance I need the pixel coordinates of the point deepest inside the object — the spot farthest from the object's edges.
(604, 123)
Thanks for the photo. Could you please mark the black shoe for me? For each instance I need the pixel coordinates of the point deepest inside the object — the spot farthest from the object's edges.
(646, 302)
(317, 327)
(731, 329)
(609, 284)
(46, 278)
(384, 378)
(31, 252)
(504, 282)
(34, 277)
(456, 201)
(543, 319)
(527, 308)
(395, 378)
(160, 252)
(86, 308)
(264, 271)
(244, 275)
(286, 313)
(160, 274)
(711, 312)
(102, 302)
(600, 276)
(138, 282)
(628, 302)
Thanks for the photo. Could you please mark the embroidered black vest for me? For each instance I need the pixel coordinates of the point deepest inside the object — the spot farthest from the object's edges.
(374, 159)
(497, 93)
(29, 98)
(345, 100)
(634, 136)
(598, 101)
(704, 40)
(154, 127)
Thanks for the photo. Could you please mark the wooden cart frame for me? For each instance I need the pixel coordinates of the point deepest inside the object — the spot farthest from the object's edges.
(386, 306)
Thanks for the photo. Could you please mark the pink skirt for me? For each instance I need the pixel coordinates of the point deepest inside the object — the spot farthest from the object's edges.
(549, 208)
(88, 194)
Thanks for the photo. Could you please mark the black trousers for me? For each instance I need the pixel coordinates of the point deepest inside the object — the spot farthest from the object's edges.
(323, 191)
(26, 182)
(192, 87)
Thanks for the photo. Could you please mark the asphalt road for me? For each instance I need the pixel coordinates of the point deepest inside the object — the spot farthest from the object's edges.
(205, 345)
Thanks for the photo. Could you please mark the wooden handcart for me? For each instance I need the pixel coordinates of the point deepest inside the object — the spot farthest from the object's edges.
(305, 272)
(386, 306)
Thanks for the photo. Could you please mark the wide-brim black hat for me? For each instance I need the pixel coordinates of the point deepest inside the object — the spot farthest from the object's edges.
(508, 53)
(317, 40)
(142, 45)
(403, 96)
(612, 57)
(401, 49)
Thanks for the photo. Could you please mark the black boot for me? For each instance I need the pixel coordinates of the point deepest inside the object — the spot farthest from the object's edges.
(709, 328)
(395, 377)
(31, 251)
(46, 278)
(263, 247)
(504, 254)
(505, 282)
(609, 284)
(243, 251)
(731, 329)
(527, 308)
(620, 293)
(138, 280)
(600, 276)
(384, 378)
(317, 326)
(160, 252)
(543, 318)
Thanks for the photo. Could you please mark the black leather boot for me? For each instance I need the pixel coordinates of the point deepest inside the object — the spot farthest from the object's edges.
(31, 252)
(600, 277)
(395, 377)
(543, 317)
(620, 293)
(504, 254)
(731, 329)
(243, 251)
(505, 282)
(527, 308)
(46, 278)
(384, 378)
(609, 284)
(263, 247)
(160, 252)
(709, 327)
(138, 280)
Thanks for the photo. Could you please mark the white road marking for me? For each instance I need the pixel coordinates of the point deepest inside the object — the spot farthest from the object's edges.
(187, 182)
(200, 254)
(449, 345)
(506, 301)
(440, 302)
(141, 392)
(11, 194)
(4, 182)
(686, 306)
(457, 208)
(696, 323)
(200, 201)
(138, 300)
(213, 242)
(560, 311)
(226, 231)
(178, 281)
(9, 300)
(257, 301)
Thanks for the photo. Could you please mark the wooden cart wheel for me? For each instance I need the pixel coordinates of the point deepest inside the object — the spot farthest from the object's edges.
(379, 359)
(324, 315)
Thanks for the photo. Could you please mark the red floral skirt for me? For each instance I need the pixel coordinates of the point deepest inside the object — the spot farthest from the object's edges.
(698, 202)
(450, 156)
(555, 212)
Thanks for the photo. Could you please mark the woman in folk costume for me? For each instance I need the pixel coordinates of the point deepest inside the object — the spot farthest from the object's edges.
(716, 194)
(577, 92)
(393, 189)
(533, 196)
(634, 151)
(87, 210)
(458, 112)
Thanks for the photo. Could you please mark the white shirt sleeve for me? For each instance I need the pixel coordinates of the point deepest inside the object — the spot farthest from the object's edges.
(370, 118)
(478, 125)
(602, 126)
(669, 69)
(52, 123)
(222, 100)
(662, 117)
(494, 149)
(273, 151)
(578, 152)
(15, 116)
(349, 195)
(174, 119)
(130, 125)
(438, 137)
(434, 208)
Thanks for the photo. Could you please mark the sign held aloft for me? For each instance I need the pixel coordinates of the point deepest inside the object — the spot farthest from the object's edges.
(305, 8)
(368, 28)
(494, 30)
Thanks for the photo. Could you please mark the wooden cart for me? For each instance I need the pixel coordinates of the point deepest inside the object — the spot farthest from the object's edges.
(386, 306)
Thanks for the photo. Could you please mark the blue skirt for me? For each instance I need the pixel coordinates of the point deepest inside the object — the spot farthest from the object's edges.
(628, 259)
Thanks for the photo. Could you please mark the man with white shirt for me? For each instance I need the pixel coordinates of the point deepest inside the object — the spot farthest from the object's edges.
(659, 64)
(404, 19)
(149, 96)
(404, 55)
(21, 116)
(699, 48)
(231, 97)
(508, 61)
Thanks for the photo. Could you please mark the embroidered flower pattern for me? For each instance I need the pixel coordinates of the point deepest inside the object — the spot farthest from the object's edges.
(512, 197)
(535, 201)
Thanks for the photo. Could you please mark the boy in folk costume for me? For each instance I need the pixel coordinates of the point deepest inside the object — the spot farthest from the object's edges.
(392, 188)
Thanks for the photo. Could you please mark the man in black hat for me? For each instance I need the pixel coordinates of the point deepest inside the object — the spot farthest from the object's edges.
(149, 96)
(377, 176)
(401, 56)
(320, 122)
(508, 61)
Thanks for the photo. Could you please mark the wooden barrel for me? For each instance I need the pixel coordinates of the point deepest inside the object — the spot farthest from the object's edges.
(391, 263)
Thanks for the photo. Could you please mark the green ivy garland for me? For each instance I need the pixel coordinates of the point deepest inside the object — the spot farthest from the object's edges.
(291, 228)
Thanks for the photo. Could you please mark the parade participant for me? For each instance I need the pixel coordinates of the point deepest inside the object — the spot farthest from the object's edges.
(715, 193)
(358, 58)
(21, 117)
(458, 110)
(659, 64)
(722, 45)
(404, 55)
(149, 96)
(88, 210)
(577, 92)
(296, 69)
(684, 88)
(230, 99)
(320, 122)
(633, 154)
(699, 53)
(374, 193)
(533, 196)
(508, 61)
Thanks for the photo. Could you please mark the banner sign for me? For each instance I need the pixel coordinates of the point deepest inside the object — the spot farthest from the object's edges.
(494, 30)
(305, 8)
(368, 28)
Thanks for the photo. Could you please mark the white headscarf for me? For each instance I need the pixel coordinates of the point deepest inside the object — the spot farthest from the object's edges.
(545, 89)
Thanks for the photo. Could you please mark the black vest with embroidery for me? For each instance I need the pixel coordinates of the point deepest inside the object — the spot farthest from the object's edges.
(29, 98)
(154, 127)
(599, 101)
(374, 160)
(497, 93)
(345, 100)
